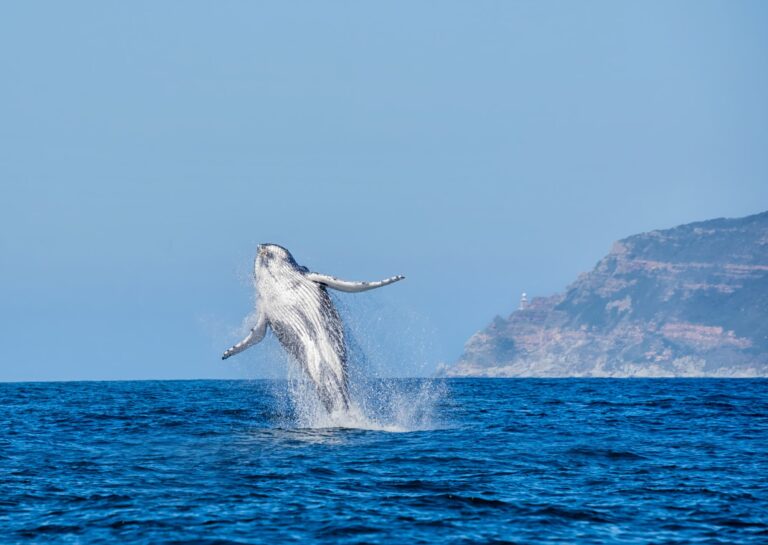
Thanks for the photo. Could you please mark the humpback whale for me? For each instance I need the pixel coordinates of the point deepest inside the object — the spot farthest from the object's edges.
(294, 303)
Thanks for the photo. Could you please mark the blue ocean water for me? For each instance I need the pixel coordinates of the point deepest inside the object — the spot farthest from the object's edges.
(491, 461)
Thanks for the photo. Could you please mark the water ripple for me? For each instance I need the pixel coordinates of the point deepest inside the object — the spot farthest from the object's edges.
(512, 461)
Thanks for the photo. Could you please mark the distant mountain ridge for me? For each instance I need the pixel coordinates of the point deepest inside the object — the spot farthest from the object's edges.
(688, 301)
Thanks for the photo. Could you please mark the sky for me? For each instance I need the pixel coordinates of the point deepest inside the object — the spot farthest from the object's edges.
(481, 149)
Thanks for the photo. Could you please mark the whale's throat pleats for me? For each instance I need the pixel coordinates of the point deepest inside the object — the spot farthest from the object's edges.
(305, 321)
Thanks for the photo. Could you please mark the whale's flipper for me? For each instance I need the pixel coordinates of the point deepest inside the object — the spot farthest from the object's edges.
(349, 286)
(257, 333)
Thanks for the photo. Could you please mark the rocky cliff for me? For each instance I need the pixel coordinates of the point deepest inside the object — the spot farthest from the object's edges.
(688, 301)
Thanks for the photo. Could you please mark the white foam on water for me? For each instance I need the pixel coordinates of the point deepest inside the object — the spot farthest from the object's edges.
(387, 405)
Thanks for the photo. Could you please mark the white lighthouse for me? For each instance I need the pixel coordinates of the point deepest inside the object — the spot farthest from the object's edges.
(523, 301)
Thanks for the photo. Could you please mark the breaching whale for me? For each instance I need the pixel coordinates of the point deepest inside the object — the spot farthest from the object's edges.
(294, 304)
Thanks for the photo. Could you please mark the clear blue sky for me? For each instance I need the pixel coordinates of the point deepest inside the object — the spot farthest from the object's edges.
(479, 148)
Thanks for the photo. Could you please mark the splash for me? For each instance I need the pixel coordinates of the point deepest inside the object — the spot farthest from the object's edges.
(390, 405)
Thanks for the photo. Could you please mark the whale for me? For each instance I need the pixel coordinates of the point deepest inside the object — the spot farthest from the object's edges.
(294, 304)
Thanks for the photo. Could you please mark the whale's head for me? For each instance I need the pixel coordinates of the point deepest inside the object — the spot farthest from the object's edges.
(273, 257)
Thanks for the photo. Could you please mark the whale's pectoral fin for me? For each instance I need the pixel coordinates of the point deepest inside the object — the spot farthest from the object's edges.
(349, 286)
(254, 336)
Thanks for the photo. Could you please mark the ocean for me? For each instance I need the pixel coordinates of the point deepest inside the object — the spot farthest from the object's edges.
(454, 461)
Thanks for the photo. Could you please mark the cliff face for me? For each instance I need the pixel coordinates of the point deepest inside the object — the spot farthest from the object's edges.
(687, 301)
